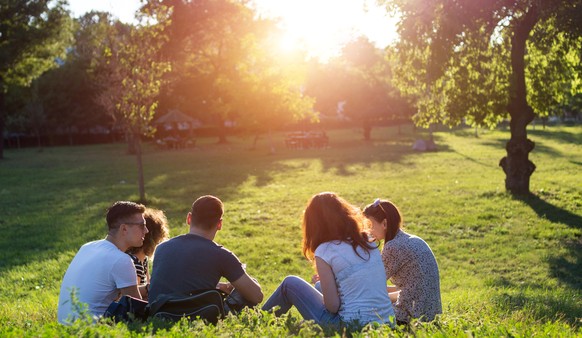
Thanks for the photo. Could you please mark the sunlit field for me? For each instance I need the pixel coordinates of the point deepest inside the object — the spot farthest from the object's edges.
(509, 266)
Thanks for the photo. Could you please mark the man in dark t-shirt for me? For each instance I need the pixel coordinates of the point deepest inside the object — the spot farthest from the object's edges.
(193, 261)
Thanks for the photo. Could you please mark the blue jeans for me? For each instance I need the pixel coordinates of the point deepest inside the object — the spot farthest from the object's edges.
(308, 301)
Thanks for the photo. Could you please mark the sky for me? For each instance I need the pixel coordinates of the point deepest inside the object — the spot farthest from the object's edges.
(124, 10)
(319, 26)
(324, 26)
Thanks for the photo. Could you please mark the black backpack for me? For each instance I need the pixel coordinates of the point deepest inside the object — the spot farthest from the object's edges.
(203, 304)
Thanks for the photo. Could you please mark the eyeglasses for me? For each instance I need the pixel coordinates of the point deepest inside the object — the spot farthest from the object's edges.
(142, 225)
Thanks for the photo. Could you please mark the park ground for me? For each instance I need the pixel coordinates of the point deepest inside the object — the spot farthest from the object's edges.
(509, 266)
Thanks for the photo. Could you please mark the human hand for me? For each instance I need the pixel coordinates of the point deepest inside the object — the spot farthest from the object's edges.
(225, 287)
(314, 279)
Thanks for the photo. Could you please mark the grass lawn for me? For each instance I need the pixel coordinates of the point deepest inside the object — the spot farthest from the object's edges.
(509, 266)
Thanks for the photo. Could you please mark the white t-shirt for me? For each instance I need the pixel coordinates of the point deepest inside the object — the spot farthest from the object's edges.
(96, 273)
(361, 282)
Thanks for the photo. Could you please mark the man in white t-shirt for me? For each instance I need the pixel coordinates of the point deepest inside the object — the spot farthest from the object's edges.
(101, 271)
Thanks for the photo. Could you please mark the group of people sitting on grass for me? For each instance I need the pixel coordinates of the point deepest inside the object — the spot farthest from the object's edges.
(350, 284)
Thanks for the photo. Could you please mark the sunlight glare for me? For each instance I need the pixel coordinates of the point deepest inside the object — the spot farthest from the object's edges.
(288, 43)
(122, 9)
(322, 27)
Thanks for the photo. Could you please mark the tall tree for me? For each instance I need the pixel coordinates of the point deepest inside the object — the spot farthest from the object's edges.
(325, 83)
(209, 41)
(465, 58)
(271, 94)
(68, 92)
(361, 78)
(554, 71)
(370, 93)
(32, 35)
(134, 74)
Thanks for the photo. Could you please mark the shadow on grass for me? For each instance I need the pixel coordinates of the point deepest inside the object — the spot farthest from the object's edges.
(472, 159)
(57, 199)
(551, 212)
(549, 305)
(43, 228)
(567, 268)
(562, 135)
(542, 306)
(342, 155)
(540, 147)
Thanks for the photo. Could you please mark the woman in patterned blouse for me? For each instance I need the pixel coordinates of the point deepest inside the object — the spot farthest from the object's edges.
(409, 263)
(157, 225)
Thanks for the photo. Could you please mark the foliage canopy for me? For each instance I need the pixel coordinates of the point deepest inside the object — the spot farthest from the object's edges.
(455, 57)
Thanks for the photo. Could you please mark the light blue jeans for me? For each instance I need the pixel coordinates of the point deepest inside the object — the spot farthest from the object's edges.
(308, 301)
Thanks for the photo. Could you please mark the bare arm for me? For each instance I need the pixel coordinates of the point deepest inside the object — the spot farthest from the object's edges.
(132, 291)
(394, 296)
(393, 292)
(331, 298)
(392, 288)
(144, 291)
(249, 288)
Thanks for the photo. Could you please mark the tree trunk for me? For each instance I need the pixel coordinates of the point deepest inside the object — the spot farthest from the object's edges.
(2, 114)
(516, 165)
(257, 136)
(271, 144)
(38, 140)
(367, 129)
(137, 142)
(131, 140)
(70, 132)
(222, 132)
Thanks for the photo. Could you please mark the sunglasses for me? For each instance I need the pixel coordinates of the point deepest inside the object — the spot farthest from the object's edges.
(378, 203)
(141, 224)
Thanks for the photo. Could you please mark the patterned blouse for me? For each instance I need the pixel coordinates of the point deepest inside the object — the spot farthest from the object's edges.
(411, 266)
(141, 268)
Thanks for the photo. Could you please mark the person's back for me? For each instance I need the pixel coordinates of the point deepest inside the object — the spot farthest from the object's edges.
(89, 275)
(351, 288)
(352, 271)
(101, 271)
(188, 263)
(409, 263)
(412, 267)
(194, 262)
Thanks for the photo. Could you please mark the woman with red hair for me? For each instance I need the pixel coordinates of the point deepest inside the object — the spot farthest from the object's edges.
(353, 282)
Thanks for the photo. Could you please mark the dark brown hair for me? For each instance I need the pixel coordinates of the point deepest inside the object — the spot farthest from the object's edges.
(120, 211)
(329, 217)
(157, 225)
(207, 211)
(385, 210)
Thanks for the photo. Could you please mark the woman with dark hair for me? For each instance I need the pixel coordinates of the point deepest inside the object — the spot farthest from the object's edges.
(409, 263)
(157, 226)
(353, 281)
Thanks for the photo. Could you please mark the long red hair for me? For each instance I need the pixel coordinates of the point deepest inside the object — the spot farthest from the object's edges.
(329, 217)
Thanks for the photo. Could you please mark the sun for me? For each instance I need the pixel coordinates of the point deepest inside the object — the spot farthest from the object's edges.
(322, 27)
(287, 43)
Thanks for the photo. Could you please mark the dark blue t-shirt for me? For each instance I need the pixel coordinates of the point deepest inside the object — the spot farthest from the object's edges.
(188, 263)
